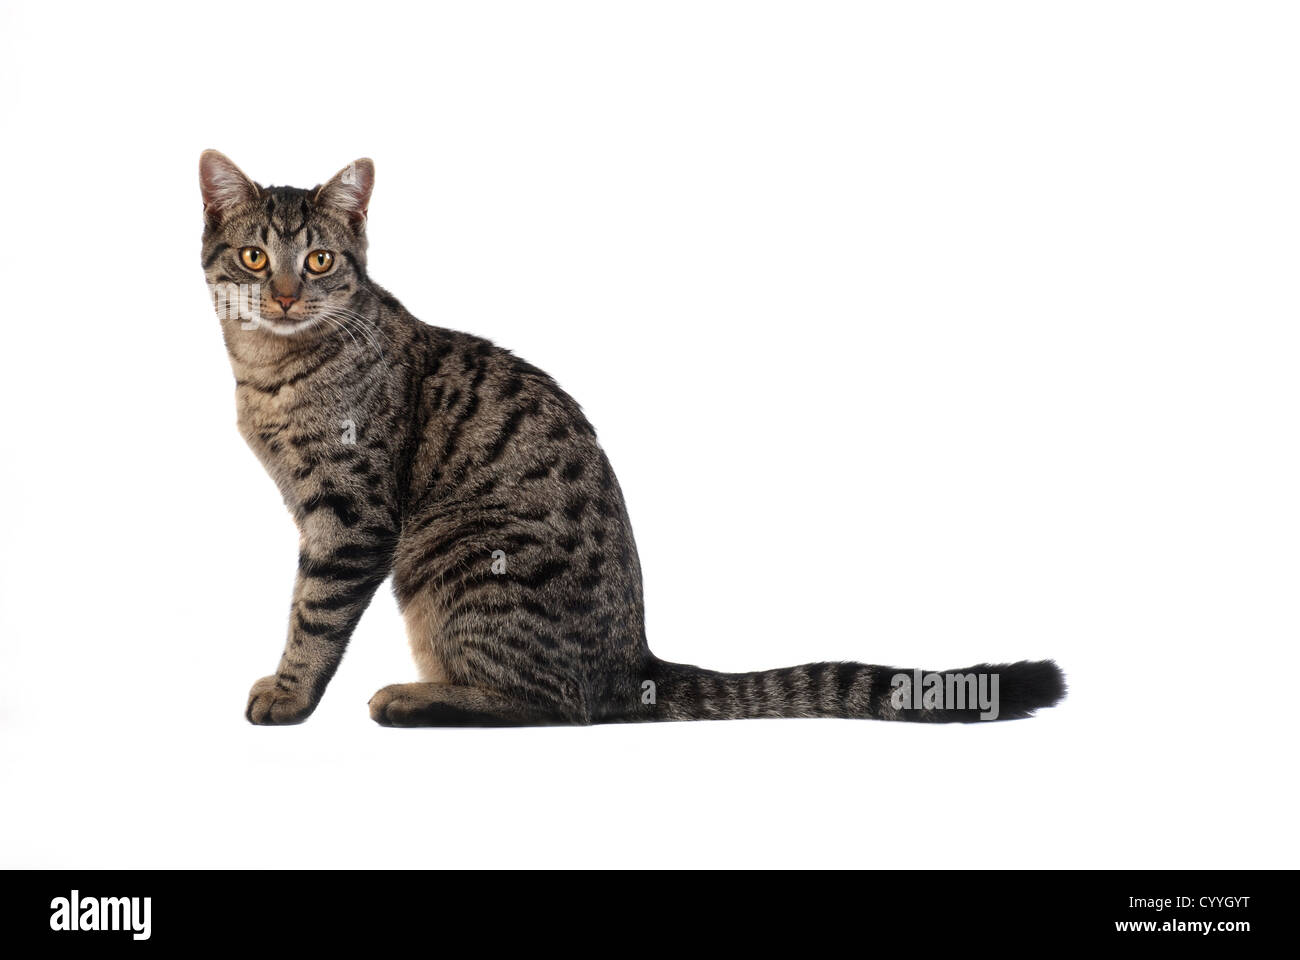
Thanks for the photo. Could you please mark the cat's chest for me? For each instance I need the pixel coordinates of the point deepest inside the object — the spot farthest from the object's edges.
(288, 430)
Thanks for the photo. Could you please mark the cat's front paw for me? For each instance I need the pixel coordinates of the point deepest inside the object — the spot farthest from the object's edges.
(271, 701)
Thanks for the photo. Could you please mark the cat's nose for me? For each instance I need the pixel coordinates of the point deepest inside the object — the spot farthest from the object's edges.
(286, 302)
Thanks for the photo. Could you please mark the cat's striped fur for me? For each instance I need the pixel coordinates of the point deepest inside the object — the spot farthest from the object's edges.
(477, 483)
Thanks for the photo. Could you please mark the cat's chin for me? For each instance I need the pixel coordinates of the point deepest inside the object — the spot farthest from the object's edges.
(288, 326)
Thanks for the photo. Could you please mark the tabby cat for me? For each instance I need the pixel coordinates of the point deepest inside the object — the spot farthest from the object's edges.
(477, 483)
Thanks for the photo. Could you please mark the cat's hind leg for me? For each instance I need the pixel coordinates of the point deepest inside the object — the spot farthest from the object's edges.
(452, 705)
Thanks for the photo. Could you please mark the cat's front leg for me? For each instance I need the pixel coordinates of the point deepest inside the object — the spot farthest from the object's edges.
(340, 565)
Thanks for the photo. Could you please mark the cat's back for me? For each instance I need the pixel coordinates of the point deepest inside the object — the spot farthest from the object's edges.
(486, 420)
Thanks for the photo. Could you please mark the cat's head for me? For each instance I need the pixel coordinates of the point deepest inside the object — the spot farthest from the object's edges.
(281, 259)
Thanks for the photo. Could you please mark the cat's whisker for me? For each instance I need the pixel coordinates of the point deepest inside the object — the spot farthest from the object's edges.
(361, 328)
(338, 326)
(361, 318)
(349, 323)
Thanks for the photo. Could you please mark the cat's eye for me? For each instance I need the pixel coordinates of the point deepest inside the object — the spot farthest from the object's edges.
(253, 257)
(319, 261)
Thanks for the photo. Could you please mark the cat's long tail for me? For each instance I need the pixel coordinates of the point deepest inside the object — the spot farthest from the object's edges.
(1002, 691)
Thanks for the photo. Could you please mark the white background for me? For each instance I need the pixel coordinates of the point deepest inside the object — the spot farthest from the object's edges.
(921, 334)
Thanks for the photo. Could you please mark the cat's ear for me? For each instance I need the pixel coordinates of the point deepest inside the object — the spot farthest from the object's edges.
(349, 190)
(223, 184)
